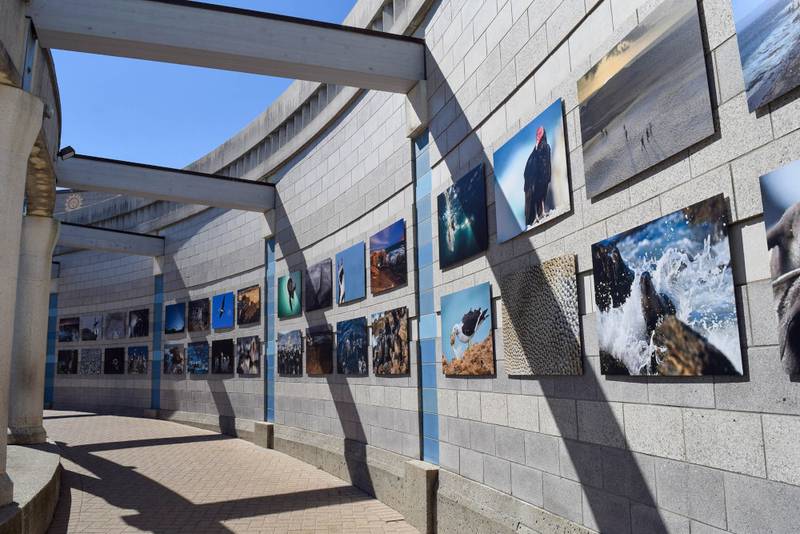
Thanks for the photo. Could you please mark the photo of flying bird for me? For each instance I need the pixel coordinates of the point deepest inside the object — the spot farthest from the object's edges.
(463, 331)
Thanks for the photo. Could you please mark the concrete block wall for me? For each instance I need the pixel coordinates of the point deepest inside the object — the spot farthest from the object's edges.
(579, 454)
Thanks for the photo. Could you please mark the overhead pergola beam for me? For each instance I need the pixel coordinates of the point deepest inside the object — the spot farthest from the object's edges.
(192, 33)
(103, 239)
(89, 173)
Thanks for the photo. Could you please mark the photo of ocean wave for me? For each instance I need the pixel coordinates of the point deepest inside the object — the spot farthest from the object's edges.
(768, 34)
(665, 296)
(463, 228)
(647, 99)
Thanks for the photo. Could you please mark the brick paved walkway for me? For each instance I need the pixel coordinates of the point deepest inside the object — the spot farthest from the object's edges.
(131, 475)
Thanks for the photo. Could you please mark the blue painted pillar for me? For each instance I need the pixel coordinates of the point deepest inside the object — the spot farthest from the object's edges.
(50, 356)
(429, 404)
(158, 328)
(269, 330)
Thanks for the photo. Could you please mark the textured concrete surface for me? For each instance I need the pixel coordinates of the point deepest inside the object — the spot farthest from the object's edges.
(126, 474)
(36, 473)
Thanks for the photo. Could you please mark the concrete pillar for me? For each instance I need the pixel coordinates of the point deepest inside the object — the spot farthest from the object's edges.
(39, 235)
(20, 122)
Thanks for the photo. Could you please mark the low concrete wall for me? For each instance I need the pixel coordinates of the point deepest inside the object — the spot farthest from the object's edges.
(36, 473)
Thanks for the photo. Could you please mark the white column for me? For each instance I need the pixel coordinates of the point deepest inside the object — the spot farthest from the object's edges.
(20, 122)
(26, 404)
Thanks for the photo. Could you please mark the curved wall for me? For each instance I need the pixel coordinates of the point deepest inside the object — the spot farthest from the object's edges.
(574, 453)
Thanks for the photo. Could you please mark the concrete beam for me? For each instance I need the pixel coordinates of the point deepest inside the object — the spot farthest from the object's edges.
(107, 240)
(112, 176)
(192, 33)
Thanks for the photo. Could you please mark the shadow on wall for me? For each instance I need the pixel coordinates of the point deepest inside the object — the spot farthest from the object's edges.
(617, 484)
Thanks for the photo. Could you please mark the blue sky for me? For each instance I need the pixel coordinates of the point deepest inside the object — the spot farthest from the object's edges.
(165, 114)
(389, 236)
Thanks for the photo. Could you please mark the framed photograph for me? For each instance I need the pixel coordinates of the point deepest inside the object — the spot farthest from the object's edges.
(248, 306)
(222, 311)
(467, 335)
(318, 292)
(222, 357)
(199, 315)
(531, 175)
(290, 353)
(91, 327)
(68, 329)
(390, 350)
(248, 356)
(197, 358)
(351, 278)
(139, 323)
(67, 362)
(387, 258)
(114, 361)
(647, 99)
(289, 295)
(463, 228)
(319, 351)
(351, 347)
(137, 360)
(665, 299)
(91, 362)
(175, 318)
(175, 359)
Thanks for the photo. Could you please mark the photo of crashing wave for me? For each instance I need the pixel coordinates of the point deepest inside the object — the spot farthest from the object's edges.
(647, 99)
(665, 298)
(768, 33)
(463, 228)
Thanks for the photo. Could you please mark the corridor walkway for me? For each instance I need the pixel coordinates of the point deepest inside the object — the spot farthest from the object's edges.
(126, 474)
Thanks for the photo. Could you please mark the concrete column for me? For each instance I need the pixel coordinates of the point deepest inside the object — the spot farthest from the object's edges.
(20, 122)
(39, 235)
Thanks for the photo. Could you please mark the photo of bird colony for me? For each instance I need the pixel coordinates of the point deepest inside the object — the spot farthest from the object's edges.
(91, 362)
(780, 193)
(222, 357)
(665, 298)
(248, 356)
(68, 362)
(463, 229)
(222, 311)
(139, 323)
(69, 330)
(175, 318)
(319, 350)
(352, 343)
(290, 353)
(114, 361)
(531, 179)
(91, 327)
(174, 359)
(387, 258)
(289, 295)
(199, 315)
(768, 33)
(197, 358)
(647, 99)
(541, 324)
(248, 306)
(467, 339)
(390, 350)
(137, 360)
(318, 291)
(114, 325)
(351, 279)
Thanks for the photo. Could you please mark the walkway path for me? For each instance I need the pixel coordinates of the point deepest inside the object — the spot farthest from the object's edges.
(126, 474)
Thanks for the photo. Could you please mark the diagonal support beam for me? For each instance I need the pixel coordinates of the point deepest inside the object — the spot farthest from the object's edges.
(161, 183)
(191, 33)
(93, 238)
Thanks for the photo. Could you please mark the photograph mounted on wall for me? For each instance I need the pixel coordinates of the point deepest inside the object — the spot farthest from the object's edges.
(647, 99)
(390, 350)
(531, 176)
(289, 295)
(351, 278)
(222, 311)
(68, 362)
(174, 359)
(199, 315)
(665, 298)
(137, 360)
(463, 229)
(290, 353)
(114, 325)
(768, 33)
(467, 339)
(387, 258)
(248, 356)
(91, 327)
(318, 290)
(114, 361)
(352, 344)
(319, 350)
(91, 362)
(197, 358)
(541, 323)
(248, 306)
(780, 194)
(175, 318)
(69, 330)
(222, 357)
(139, 323)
